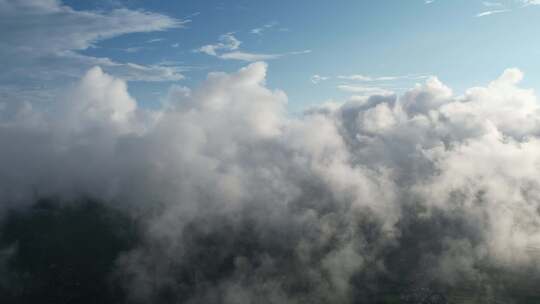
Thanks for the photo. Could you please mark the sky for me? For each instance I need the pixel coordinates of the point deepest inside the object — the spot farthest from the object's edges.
(317, 51)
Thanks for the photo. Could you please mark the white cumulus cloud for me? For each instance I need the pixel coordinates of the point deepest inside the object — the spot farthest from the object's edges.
(336, 200)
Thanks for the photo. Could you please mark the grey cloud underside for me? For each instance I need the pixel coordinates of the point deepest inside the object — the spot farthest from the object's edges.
(382, 199)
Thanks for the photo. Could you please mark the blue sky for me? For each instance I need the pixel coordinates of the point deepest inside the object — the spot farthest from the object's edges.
(316, 50)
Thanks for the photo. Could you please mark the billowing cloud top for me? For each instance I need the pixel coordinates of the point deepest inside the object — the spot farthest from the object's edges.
(242, 203)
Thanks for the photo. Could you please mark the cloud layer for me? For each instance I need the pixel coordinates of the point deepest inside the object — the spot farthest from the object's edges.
(349, 203)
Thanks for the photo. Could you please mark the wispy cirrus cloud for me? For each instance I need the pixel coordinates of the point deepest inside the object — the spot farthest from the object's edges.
(361, 85)
(492, 12)
(264, 28)
(360, 77)
(530, 2)
(227, 42)
(245, 56)
(252, 57)
(228, 48)
(493, 8)
(505, 7)
(492, 4)
(274, 26)
(155, 40)
(49, 52)
(499, 7)
(315, 79)
(57, 27)
(368, 78)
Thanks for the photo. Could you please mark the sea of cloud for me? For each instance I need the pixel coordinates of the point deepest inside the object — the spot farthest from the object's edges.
(241, 202)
